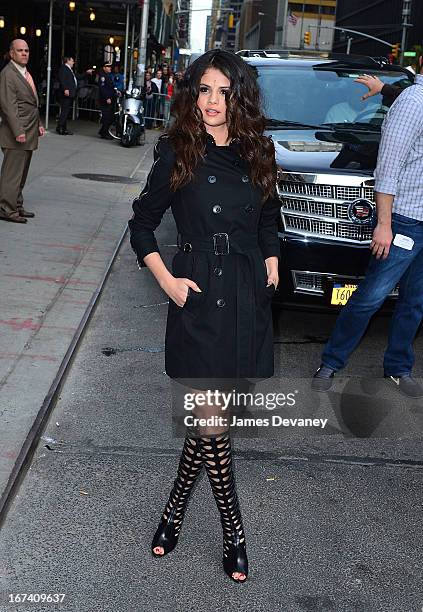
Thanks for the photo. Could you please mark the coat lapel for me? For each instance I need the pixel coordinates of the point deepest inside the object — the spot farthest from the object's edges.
(22, 78)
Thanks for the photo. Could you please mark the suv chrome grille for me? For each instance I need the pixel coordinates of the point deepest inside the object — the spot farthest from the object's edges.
(312, 282)
(305, 282)
(323, 210)
(347, 193)
(322, 191)
(341, 211)
(354, 232)
(338, 192)
(317, 227)
(311, 207)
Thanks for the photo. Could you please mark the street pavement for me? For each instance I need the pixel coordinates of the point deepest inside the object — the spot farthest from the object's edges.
(333, 517)
(51, 267)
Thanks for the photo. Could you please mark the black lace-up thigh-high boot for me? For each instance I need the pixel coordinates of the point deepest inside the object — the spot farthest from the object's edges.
(190, 466)
(217, 457)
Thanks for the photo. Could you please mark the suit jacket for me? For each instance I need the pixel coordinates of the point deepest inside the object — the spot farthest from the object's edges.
(18, 110)
(67, 81)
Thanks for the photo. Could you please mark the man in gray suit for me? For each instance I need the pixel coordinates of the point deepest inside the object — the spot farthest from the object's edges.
(20, 128)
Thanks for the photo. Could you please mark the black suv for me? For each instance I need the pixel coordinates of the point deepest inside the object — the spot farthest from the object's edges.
(326, 141)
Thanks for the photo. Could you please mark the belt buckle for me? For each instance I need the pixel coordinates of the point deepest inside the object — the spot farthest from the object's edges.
(221, 244)
(186, 247)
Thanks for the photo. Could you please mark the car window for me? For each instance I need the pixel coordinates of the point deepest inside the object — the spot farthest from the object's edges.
(312, 95)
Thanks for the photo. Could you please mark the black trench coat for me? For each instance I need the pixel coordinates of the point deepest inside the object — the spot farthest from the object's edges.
(226, 330)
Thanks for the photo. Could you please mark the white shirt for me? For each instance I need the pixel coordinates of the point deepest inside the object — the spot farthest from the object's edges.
(22, 69)
(73, 74)
(157, 82)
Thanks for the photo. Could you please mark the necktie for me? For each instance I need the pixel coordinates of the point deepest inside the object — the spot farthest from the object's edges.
(31, 82)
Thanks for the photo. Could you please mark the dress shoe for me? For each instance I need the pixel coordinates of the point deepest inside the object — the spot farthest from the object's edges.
(26, 213)
(63, 132)
(323, 379)
(106, 137)
(13, 218)
(406, 385)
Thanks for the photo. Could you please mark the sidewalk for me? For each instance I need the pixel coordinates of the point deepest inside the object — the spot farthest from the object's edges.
(52, 266)
(325, 533)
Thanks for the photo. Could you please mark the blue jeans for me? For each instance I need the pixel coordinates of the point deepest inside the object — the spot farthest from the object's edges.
(401, 266)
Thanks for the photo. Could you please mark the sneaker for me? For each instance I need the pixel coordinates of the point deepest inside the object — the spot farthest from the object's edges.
(406, 385)
(323, 379)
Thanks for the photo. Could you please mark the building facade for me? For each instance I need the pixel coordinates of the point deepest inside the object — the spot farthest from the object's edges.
(380, 18)
(257, 24)
(287, 24)
(208, 32)
(305, 25)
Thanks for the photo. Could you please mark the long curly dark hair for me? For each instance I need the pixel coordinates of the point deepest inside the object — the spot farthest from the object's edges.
(245, 121)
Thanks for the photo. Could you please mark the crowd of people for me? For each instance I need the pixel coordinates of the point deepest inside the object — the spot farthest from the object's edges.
(160, 86)
(160, 83)
(158, 90)
(21, 126)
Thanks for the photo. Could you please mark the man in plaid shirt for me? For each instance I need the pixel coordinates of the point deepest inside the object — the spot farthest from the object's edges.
(397, 251)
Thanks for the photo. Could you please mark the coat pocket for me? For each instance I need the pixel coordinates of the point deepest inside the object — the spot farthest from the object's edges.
(194, 267)
(198, 272)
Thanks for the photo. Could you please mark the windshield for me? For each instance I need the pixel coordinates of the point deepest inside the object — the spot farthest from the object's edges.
(318, 95)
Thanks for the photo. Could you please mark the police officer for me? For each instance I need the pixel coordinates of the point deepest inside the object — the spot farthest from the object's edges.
(106, 97)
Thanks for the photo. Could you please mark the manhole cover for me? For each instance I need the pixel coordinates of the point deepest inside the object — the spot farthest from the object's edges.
(106, 178)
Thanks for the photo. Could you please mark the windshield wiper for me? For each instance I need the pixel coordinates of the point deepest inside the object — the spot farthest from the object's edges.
(294, 124)
(369, 127)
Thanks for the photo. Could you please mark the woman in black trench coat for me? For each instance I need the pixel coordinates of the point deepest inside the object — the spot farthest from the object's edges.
(217, 172)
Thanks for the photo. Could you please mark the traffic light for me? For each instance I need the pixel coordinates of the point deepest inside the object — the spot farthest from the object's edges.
(307, 38)
(396, 50)
(135, 54)
(231, 21)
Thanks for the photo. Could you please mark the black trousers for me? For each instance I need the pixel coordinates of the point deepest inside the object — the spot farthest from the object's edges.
(65, 105)
(106, 118)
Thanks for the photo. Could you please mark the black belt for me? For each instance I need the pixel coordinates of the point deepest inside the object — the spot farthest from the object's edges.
(219, 244)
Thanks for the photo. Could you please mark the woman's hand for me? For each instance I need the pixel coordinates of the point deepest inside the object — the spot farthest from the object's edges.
(177, 289)
(272, 267)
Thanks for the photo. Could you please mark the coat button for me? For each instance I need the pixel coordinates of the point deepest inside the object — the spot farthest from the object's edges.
(216, 209)
(220, 303)
(249, 209)
(236, 162)
(218, 271)
(211, 179)
(245, 179)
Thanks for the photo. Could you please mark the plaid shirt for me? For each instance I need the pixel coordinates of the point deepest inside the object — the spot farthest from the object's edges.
(399, 168)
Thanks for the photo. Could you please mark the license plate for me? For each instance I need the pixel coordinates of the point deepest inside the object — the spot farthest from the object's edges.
(341, 294)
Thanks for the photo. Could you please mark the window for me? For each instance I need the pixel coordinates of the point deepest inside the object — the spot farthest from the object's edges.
(327, 10)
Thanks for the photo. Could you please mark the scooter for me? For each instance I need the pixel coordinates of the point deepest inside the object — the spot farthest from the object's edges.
(128, 126)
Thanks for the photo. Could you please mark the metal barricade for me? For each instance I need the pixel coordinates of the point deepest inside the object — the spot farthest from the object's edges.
(157, 110)
(86, 100)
